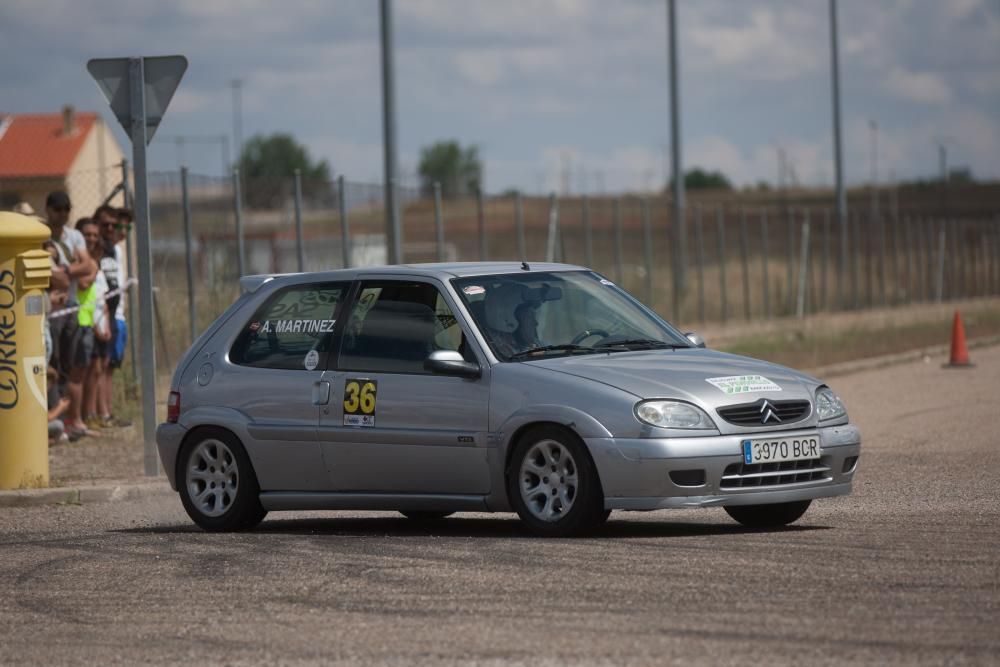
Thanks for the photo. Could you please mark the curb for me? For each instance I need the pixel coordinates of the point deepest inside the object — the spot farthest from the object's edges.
(872, 363)
(82, 495)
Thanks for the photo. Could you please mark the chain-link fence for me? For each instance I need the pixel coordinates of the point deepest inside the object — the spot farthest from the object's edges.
(748, 255)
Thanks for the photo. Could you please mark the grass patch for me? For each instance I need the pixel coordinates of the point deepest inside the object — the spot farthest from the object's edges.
(800, 350)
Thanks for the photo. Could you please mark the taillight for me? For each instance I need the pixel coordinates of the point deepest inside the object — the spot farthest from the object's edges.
(174, 407)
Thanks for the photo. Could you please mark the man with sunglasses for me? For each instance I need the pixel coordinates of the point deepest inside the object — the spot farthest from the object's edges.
(112, 264)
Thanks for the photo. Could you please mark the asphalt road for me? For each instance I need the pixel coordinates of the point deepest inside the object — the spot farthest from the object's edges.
(904, 571)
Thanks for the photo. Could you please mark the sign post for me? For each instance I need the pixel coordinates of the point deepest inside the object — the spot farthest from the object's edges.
(139, 90)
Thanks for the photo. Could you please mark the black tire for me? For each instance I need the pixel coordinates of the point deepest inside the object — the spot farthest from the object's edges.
(423, 515)
(768, 516)
(239, 510)
(586, 510)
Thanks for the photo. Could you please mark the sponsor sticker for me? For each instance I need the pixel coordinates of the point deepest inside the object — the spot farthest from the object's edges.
(312, 360)
(742, 384)
(472, 290)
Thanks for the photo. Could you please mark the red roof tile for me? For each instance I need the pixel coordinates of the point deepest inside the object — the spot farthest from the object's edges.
(34, 145)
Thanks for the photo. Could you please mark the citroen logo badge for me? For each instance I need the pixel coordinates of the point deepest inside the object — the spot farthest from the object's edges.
(767, 412)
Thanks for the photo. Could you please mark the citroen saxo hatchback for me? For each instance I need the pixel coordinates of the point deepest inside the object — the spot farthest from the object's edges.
(433, 389)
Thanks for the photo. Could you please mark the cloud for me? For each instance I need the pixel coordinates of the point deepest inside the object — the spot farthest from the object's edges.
(920, 87)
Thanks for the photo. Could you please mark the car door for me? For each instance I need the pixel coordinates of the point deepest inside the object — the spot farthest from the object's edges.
(394, 426)
(273, 375)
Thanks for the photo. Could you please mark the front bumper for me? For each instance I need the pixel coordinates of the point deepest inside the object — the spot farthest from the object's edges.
(168, 442)
(636, 472)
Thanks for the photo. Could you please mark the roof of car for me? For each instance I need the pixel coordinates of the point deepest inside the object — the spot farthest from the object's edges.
(443, 271)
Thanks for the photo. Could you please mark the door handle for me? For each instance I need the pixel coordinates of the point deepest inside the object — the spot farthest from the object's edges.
(321, 392)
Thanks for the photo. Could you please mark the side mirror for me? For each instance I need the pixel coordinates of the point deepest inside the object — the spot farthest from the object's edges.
(695, 339)
(449, 362)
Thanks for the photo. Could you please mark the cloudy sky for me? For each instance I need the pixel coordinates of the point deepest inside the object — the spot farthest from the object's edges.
(544, 87)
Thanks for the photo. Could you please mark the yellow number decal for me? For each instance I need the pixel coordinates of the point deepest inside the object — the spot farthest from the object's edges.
(359, 396)
(351, 390)
(368, 398)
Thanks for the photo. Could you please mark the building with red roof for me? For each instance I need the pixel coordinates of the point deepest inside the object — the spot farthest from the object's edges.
(71, 151)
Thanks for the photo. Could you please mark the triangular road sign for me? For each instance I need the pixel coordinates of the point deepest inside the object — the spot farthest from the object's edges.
(162, 75)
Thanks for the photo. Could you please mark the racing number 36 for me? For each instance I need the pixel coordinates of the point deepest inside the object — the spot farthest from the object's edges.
(359, 402)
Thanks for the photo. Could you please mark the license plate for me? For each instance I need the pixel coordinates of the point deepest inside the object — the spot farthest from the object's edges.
(776, 450)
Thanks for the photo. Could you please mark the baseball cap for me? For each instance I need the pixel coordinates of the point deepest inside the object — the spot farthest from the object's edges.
(57, 199)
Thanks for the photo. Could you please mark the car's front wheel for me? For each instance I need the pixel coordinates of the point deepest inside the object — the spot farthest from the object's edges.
(553, 484)
(768, 516)
(216, 482)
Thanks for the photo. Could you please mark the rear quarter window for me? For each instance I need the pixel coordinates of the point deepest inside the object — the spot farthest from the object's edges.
(293, 322)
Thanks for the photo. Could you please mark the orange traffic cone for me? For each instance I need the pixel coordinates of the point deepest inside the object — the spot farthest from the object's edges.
(959, 351)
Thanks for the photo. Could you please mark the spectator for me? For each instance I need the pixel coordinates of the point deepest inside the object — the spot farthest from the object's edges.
(72, 262)
(112, 262)
(92, 332)
(58, 405)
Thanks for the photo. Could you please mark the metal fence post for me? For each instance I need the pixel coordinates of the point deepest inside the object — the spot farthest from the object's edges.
(481, 218)
(843, 278)
(550, 245)
(745, 262)
(790, 259)
(908, 249)
(855, 260)
(438, 222)
(939, 287)
(345, 232)
(188, 253)
(241, 257)
(300, 251)
(826, 259)
(880, 221)
(647, 250)
(588, 233)
(700, 257)
(720, 224)
(130, 293)
(764, 261)
(800, 306)
(519, 225)
(616, 217)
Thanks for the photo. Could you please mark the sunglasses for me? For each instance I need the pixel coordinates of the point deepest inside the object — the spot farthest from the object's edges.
(60, 209)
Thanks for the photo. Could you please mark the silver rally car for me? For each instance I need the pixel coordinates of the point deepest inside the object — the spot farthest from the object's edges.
(431, 389)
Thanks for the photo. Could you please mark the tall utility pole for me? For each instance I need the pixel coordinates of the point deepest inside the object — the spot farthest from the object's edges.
(237, 85)
(677, 171)
(393, 230)
(873, 126)
(837, 151)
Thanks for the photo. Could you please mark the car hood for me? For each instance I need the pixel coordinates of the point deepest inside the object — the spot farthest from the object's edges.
(684, 374)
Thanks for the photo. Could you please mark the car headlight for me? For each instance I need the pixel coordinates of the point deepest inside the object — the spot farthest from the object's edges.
(673, 414)
(828, 405)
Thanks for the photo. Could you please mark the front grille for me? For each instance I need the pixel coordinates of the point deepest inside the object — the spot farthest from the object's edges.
(752, 414)
(741, 475)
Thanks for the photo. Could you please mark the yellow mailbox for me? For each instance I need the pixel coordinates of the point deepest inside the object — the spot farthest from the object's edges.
(24, 275)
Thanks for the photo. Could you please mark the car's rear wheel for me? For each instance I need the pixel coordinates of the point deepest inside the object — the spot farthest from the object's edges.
(553, 484)
(216, 482)
(422, 515)
(768, 516)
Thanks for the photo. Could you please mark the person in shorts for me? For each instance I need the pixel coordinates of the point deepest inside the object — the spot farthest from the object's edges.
(93, 322)
(72, 263)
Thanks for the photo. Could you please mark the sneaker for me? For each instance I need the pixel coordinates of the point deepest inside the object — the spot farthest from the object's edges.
(110, 421)
(93, 422)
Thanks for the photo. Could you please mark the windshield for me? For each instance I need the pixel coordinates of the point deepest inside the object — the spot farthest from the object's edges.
(531, 315)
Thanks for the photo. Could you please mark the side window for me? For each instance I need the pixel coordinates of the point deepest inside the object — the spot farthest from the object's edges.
(292, 330)
(394, 326)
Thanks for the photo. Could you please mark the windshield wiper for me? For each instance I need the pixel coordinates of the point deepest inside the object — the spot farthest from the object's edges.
(640, 344)
(552, 348)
